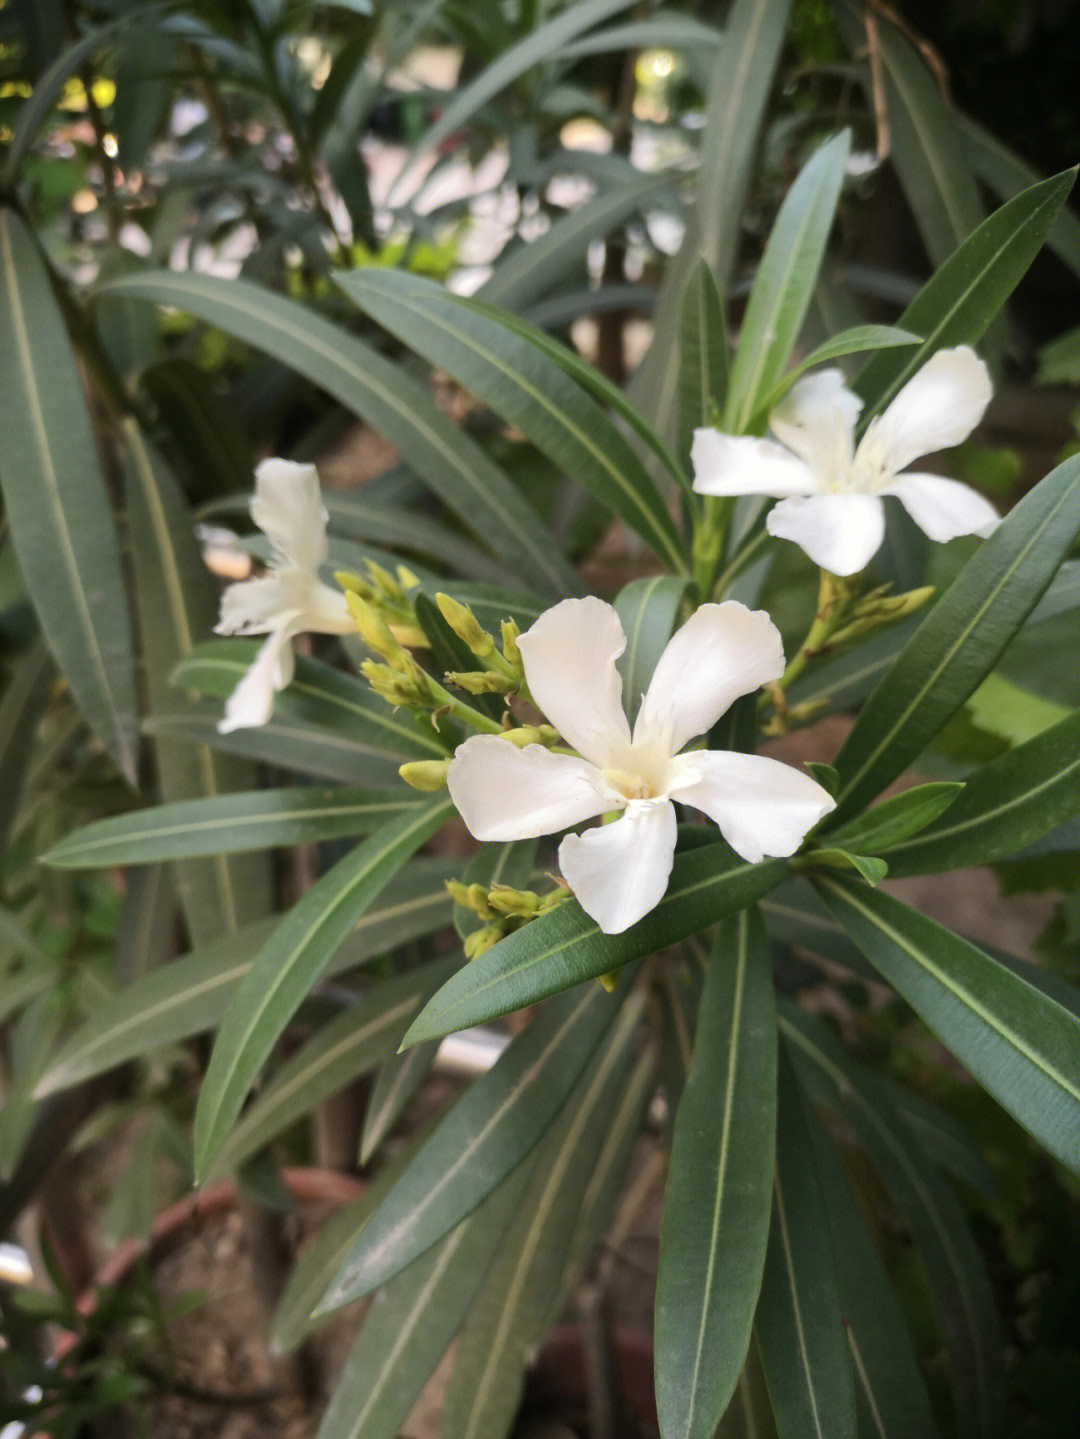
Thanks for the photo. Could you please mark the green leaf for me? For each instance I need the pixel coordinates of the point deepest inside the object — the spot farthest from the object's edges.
(290, 963)
(399, 1077)
(521, 1296)
(542, 42)
(146, 932)
(219, 457)
(383, 395)
(493, 1126)
(926, 146)
(264, 819)
(890, 1391)
(412, 1321)
(403, 527)
(647, 610)
(959, 642)
(354, 1043)
(525, 275)
(24, 701)
(565, 947)
(897, 818)
(848, 342)
(1006, 805)
(742, 82)
(957, 304)
(512, 863)
(703, 355)
(785, 281)
(524, 386)
(843, 681)
(317, 695)
(1007, 175)
(56, 501)
(188, 996)
(719, 1191)
(952, 1263)
(287, 743)
(871, 869)
(1017, 1042)
(799, 1325)
(177, 604)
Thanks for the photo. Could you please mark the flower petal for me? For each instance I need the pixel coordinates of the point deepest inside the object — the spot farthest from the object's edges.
(841, 533)
(252, 701)
(762, 807)
(503, 793)
(721, 652)
(252, 607)
(742, 465)
(816, 420)
(569, 656)
(619, 871)
(944, 508)
(326, 611)
(287, 506)
(938, 407)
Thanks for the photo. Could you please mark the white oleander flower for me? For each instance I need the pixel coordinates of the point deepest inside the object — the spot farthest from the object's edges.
(829, 490)
(619, 871)
(290, 600)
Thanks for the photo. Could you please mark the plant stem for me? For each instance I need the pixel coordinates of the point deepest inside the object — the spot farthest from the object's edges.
(739, 563)
(833, 598)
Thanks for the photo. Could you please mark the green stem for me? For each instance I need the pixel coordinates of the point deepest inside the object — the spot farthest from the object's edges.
(833, 598)
(459, 710)
(709, 541)
(739, 563)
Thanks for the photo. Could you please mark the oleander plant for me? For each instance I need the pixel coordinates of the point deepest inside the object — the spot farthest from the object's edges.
(526, 788)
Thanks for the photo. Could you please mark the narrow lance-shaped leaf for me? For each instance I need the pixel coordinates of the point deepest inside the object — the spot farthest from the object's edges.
(264, 819)
(799, 1325)
(1006, 805)
(56, 501)
(522, 385)
(719, 1192)
(565, 947)
(24, 701)
(1017, 1041)
(399, 1077)
(648, 610)
(957, 304)
(291, 962)
(785, 281)
(413, 1320)
(703, 355)
(383, 395)
(522, 1294)
(489, 1131)
(958, 644)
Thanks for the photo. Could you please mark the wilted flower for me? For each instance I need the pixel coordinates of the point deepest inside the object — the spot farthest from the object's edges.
(829, 490)
(619, 871)
(290, 600)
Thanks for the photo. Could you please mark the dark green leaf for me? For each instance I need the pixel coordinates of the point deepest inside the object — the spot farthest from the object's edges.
(718, 1198)
(703, 356)
(897, 818)
(25, 697)
(647, 610)
(958, 644)
(290, 963)
(565, 947)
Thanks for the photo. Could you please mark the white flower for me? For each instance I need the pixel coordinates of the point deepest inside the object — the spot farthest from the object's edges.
(829, 491)
(287, 506)
(619, 871)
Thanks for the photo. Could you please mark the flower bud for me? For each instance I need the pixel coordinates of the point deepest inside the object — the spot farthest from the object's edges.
(428, 775)
(480, 940)
(374, 630)
(480, 682)
(544, 734)
(510, 631)
(465, 625)
(516, 903)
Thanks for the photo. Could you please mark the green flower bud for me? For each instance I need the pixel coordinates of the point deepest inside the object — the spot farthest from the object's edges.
(516, 903)
(480, 940)
(428, 775)
(373, 629)
(510, 631)
(544, 734)
(480, 682)
(466, 626)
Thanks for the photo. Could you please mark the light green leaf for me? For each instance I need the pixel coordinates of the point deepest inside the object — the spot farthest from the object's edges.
(799, 1324)
(897, 818)
(647, 610)
(719, 1192)
(524, 386)
(703, 356)
(565, 947)
(957, 304)
(264, 819)
(493, 1126)
(785, 281)
(56, 502)
(290, 963)
(25, 697)
(399, 1077)
(852, 341)
(958, 644)
(146, 932)
(1018, 1042)
(383, 395)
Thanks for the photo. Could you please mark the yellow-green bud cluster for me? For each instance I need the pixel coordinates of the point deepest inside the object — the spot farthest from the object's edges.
(527, 734)
(876, 609)
(500, 673)
(503, 910)
(387, 595)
